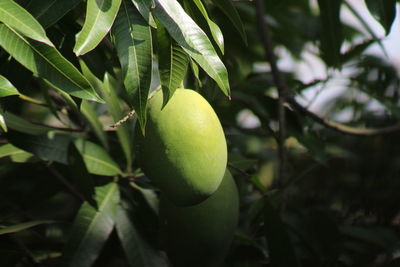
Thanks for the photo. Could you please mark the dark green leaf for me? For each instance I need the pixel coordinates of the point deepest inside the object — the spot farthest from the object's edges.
(47, 63)
(137, 250)
(230, 11)
(172, 63)
(91, 116)
(19, 19)
(96, 159)
(331, 32)
(92, 228)
(100, 15)
(6, 87)
(144, 7)
(48, 12)
(21, 226)
(281, 251)
(193, 40)
(18, 124)
(134, 47)
(384, 11)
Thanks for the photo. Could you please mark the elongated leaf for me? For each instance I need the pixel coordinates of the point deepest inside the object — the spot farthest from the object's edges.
(215, 30)
(3, 125)
(227, 7)
(16, 154)
(19, 124)
(193, 40)
(172, 63)
(51, 146)
(134, 47)
(47, 63)
(96, 159)
(22, 226)
(91, 116)
(331, 35)
(100, 15)
(144, 7)
(114, 107)
(281, 251)
(48, 12)
(137, 250)
(6, 87)
(92, 228)
(19, 19)
(384, 11)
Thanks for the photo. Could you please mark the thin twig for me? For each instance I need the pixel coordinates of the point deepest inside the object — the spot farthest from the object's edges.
(65, 182)
(230, 165)
(124, 119)
(280, 84)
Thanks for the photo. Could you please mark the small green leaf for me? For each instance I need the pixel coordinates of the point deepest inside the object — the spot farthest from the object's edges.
(137, 250)
(331, 35)
(144, 7)
(47, 63)
(16, 154)
(22, 226)
(134, 47)
(100, 15)
(48, 12)
(19, 124)
(192, 39)
(96, 159)
(227, 7)
(114, 107)
(19, 19)
(172, 63)
(384, 11)
(6, 87)
(91, 228)
(281, 251)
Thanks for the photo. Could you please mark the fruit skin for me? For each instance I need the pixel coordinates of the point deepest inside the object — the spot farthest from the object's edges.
(200, 235)
(184, 148)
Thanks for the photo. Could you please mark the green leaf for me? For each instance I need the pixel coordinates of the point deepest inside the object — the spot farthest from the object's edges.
(96, 159)
(144, 7)
(172, 63)
(227, 7)
(91, 116)
(331, 35)
(19, 124)
(114, 108)
(193, 40)
(19, 19)
(16, 154)
(134, 47)
(3, 125)
(48, 12)
(137, 250)
(100, 15)
(6, 87)
(215, 30)
(47, 63)
(281, 251)
(91, 228)
(384, 11)
(22, 226)
(51, 146)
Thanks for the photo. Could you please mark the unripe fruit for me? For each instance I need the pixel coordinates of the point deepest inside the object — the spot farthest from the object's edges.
(200, 235)
(184, 148)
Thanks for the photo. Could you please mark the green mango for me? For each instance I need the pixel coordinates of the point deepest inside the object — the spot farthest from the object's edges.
(201, 235)
(184, 148)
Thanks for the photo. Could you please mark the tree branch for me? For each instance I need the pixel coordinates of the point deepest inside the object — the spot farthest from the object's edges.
(279, 83)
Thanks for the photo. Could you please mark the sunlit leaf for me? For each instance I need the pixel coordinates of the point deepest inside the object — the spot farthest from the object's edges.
(91, 228)
(16, 154)
(19, 19)
(100, 15)
(192, 39)
(6, 87)
(134, 47)
(47, 63)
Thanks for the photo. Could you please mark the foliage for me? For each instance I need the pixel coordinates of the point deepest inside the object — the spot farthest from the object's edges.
(71, 192)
